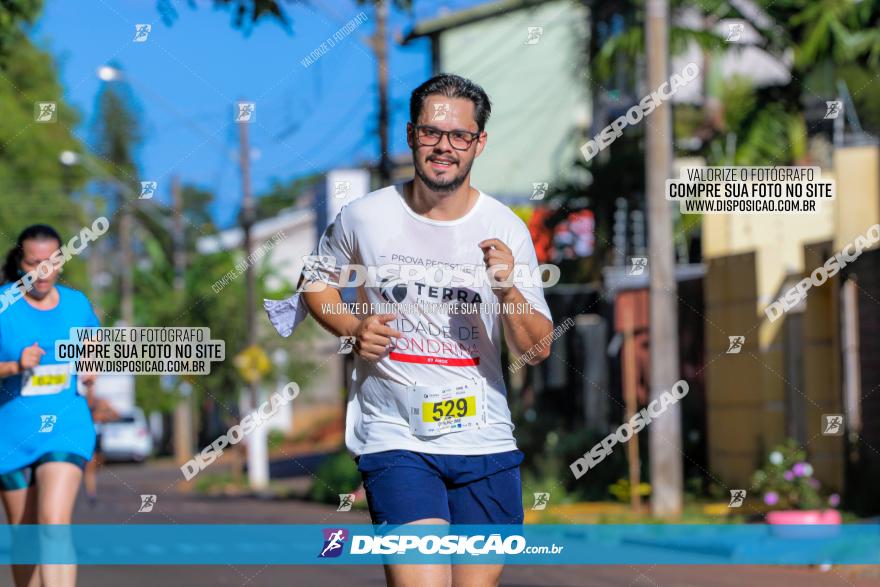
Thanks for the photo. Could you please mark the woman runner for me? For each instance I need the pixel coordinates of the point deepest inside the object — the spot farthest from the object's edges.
(48, 435)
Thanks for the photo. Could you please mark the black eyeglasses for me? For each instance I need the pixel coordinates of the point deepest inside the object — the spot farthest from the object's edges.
(461, 140)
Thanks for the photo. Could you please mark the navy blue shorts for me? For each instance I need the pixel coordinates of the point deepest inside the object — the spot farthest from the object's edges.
(403, 486)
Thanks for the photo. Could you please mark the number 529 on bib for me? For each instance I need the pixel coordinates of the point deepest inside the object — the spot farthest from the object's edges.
(450, 408)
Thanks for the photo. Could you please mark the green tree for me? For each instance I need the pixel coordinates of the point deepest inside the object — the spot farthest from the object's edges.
(247, 13)
(34, 186)
(283, 194)
(116, 129)
(769, 124)
(200, 305)
(15, 14)
(117, 137)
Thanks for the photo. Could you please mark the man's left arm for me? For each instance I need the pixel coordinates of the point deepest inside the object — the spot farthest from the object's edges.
(525, 328)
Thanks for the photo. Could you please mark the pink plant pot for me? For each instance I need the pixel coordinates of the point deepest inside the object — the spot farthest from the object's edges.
(811, 517)
(824, 523)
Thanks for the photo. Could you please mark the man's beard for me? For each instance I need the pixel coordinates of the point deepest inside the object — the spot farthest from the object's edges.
(449, 186)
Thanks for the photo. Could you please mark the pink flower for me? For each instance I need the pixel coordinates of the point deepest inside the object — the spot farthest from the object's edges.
(771, 498)
(834, 500)
(789, 475)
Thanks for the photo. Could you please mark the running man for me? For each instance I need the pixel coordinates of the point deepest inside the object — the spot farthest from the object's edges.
(47, 432)
(427, 415)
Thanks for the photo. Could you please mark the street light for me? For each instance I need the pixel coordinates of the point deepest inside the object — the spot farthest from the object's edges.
(68, 158)
(109, 73)
(71, 158)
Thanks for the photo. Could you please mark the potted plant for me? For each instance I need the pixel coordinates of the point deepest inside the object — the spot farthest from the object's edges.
(787, 484)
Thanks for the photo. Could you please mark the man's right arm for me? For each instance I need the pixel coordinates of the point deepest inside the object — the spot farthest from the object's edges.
(373, 336)
(325, 305)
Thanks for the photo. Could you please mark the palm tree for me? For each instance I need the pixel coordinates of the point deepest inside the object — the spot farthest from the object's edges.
(768, 124)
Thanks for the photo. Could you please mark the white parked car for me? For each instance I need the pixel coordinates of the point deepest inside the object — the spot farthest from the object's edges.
(127, 438)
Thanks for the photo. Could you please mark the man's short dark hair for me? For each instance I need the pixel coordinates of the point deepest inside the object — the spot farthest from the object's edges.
(452, 86)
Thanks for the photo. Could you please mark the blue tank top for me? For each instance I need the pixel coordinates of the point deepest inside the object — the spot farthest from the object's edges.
(41, 411)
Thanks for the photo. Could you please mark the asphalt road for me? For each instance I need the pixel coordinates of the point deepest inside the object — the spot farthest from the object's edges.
(120, 487)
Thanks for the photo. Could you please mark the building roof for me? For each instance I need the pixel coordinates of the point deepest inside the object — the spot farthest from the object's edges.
(618, 279)
(468, 16)
(232, 238)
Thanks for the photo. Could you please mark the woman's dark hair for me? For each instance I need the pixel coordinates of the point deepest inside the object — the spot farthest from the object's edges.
(12, 266)
(452, 86)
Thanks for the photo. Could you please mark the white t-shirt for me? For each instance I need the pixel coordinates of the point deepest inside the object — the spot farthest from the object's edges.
(461, 347)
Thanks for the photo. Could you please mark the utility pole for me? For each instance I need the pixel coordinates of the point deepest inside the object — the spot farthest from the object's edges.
(247, 223)
(183, 434)
(179, 237)
(630, 396)
(380, 48)
(665, 431)
(94, 260)
(127, 260)
(257, 451)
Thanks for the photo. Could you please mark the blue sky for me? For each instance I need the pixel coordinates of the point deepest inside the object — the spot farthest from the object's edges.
(187, 76)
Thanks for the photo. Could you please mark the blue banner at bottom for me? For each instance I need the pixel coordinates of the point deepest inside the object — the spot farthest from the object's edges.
(179, 544)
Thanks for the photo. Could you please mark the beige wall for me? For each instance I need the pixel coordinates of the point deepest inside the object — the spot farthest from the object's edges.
(540, 99)
(748, 259)
(822, 384)
(734, 386)
(858, 198)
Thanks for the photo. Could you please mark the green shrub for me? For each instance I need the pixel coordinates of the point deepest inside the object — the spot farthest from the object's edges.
(337, 474)
(786, 481)
(276, 438)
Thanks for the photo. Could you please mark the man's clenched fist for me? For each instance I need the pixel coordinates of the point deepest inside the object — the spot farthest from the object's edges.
(373, 336)
(499, 263)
